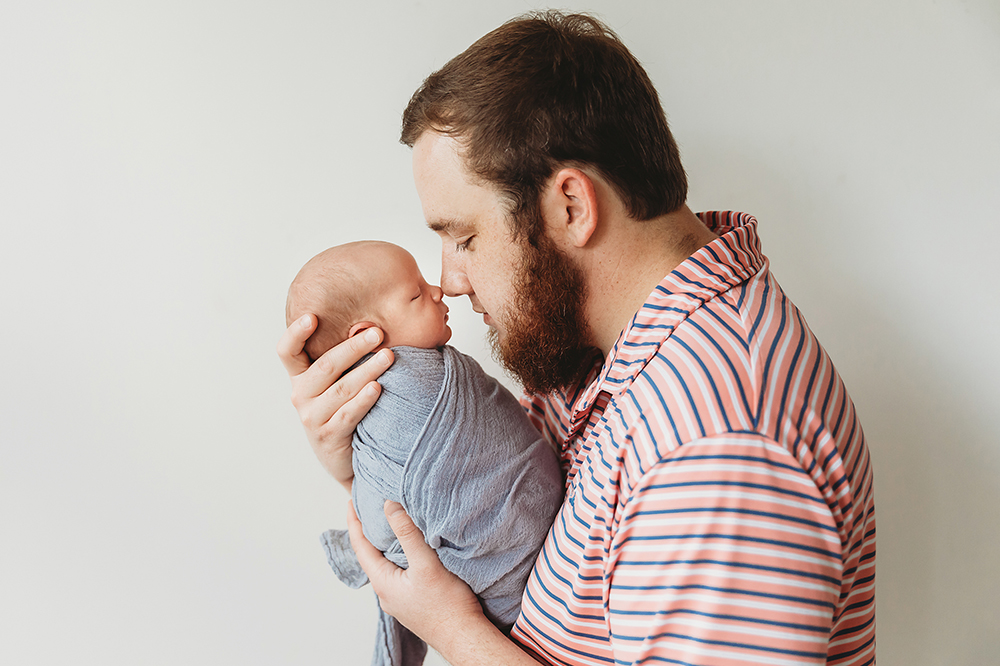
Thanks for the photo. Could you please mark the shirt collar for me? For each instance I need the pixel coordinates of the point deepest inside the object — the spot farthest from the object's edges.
(717, 267)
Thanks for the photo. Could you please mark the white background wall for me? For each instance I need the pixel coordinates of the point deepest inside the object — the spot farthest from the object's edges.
(166, 167)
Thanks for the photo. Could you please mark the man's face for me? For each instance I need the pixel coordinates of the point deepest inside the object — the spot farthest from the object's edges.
(531, 297)
(477, 257)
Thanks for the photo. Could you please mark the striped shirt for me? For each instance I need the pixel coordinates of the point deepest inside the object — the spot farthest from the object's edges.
(719, 503)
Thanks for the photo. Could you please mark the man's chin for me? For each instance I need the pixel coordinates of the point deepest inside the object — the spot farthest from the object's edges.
(537, 369)
(495, 338)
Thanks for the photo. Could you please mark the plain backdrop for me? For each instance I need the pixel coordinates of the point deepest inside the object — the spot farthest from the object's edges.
(166, 167)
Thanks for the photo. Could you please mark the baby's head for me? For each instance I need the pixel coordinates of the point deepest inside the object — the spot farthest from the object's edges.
(368, 283)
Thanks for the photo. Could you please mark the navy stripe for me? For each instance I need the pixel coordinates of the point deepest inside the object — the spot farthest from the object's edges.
(745, 646)
(736, 336)
(847, 631)
(562, 579)
(820, 629)
(760, 311)
(738, 484)
(730, 590)
(666, 411)
(746, 512)
(653, 327)
(734, 565)
(695, 536)
(687, 392)
(850, 653)
(727, 456)
(817, 362)
(639, 345)
(711, 381)
(793, 368)
(568, 631)
(664, 308)
(743, 295)
(770, 359)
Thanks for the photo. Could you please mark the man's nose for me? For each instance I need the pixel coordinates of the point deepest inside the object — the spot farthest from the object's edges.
(454, 281)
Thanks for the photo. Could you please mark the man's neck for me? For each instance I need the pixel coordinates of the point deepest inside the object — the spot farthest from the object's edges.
(631, 261)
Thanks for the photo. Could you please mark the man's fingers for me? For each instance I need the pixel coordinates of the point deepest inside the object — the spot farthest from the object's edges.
(347, 418)
(291, 343)
(406, 594)
(341, 407)
(418, 553)
(371, 558)
(328, 369)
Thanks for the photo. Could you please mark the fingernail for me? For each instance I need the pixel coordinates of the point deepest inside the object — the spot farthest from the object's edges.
(383, 357)
(392, 508)
(371, 335)
(304, 321)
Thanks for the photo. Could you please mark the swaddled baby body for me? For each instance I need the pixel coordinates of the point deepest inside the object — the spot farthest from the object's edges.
(444, 439)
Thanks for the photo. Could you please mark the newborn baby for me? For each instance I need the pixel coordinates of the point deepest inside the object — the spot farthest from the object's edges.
(444, 439)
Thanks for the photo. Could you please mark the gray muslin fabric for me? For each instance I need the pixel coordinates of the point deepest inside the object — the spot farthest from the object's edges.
(455, 448)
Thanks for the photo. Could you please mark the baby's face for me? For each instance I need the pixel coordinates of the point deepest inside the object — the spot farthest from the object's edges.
(412, 311)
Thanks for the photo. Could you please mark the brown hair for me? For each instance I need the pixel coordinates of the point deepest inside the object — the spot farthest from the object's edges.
(549, 89)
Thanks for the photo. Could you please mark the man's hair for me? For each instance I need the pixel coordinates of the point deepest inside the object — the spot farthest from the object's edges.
(546, 90)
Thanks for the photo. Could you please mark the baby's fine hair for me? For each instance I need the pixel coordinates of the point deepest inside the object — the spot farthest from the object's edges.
(331, 289)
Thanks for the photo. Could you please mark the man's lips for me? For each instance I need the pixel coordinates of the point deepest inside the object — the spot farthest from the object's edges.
(486, 316)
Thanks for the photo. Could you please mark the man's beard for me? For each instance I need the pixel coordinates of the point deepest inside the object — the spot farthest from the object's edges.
(546, 343)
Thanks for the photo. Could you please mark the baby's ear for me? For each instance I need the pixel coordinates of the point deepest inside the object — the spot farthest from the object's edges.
(360, 326)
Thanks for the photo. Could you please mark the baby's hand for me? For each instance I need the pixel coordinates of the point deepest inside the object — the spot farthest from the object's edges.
(330, 406)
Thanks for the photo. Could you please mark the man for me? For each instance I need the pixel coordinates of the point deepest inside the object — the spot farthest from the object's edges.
(719, 505)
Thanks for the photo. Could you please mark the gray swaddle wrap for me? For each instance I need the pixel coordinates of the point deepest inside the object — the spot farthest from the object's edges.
(454, 447)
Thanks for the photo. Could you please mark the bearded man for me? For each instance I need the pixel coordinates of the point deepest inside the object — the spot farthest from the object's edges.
(719, 501)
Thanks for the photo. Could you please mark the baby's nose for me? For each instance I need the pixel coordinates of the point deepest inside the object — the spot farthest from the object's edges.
(437, 293)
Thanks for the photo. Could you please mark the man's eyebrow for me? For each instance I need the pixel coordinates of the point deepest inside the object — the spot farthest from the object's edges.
(448, 226)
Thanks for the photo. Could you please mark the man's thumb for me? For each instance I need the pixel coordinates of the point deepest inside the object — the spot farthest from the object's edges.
(409, 535)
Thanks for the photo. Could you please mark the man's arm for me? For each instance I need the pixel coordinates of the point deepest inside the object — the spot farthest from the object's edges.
(727, 552)
(429, 600)
(330, 406)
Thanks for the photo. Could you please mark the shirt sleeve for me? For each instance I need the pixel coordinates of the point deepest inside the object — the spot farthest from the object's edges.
(724, 553)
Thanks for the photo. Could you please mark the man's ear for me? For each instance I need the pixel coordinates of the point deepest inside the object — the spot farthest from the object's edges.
(360, 326)
(569, 206)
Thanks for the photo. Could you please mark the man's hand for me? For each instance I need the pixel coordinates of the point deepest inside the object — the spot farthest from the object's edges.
(330, 406)
(429, 600)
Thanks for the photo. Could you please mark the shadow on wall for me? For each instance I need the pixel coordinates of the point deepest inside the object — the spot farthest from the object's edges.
(936, 480)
